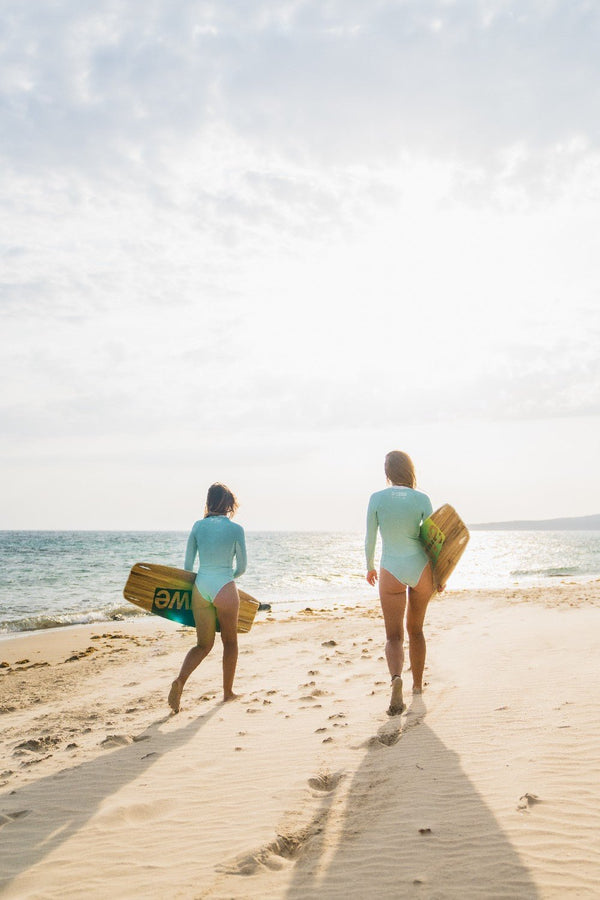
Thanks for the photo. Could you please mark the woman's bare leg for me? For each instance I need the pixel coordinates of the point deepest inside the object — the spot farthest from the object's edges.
(204, 617)
(227, 604)
(392, 594)
(418, 599)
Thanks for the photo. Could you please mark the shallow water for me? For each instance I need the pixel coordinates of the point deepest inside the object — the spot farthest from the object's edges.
(55, 578)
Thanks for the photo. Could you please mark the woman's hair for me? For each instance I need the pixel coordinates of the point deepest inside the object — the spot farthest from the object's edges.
(399, 468)
(219, 501)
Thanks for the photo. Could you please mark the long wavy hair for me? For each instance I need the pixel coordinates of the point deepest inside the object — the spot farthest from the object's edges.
(220, 501)
(399, 468)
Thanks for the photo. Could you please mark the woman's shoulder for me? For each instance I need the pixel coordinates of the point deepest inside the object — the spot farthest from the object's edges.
(421, 494)
(423, 500)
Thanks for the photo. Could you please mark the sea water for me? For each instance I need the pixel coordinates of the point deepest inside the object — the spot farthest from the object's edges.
(57, 578)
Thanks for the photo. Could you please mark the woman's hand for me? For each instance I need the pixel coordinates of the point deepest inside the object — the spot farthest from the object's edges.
(372, 576)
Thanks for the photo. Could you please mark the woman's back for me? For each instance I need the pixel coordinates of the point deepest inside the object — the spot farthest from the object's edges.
(216, 540)
(398, 512)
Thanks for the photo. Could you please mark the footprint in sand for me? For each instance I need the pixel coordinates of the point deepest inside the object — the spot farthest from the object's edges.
(116, 740)
(34, 762)
(283, 850)
(388, 735)
(7, 818)
(527, 800)
(326, 781)
(36, 745)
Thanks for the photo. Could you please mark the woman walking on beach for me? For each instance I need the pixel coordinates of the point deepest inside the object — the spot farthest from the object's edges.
(217, 541)
(398, 511)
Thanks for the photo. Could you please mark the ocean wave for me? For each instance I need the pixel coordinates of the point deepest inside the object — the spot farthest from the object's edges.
(44, 621)
(551, 572)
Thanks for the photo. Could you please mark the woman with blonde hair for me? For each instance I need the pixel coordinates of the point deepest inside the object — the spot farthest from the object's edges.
(405, 576)
(217, 541)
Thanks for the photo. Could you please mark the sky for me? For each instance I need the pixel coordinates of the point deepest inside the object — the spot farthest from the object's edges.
(266, 242)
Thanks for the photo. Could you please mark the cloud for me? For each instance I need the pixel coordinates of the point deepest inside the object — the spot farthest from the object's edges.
(91, 86)
(294, 218)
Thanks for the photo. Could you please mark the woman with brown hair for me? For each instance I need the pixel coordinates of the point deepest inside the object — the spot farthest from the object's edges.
(217, 541)
(398, 511)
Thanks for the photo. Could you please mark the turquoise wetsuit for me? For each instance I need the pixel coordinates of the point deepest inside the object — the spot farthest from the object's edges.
(216, 540)
(398, 512)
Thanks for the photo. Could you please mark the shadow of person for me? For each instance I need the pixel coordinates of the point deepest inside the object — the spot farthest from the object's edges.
(70, 798)
(411, 824)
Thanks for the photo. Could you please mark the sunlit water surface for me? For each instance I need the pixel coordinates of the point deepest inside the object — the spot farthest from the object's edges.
(49, 579)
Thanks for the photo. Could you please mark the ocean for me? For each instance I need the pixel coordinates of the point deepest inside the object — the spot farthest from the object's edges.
(58, 578)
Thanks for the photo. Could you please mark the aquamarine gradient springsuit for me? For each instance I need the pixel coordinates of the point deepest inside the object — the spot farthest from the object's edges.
(217, 541)
(398, 512)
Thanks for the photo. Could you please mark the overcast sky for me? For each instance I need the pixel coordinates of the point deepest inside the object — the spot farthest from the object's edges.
(266, 242)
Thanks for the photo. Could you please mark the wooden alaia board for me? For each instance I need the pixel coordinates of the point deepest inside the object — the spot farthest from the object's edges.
(167, 592)
(445, 537)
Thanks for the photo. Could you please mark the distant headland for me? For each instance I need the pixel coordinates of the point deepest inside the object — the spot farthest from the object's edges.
(577, 523)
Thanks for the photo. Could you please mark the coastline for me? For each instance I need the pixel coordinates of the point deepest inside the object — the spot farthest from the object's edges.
(303, 787)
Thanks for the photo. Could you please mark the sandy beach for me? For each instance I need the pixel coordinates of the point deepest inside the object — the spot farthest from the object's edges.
(487, 786)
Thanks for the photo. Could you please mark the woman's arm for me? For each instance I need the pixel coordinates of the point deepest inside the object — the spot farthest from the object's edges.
(427, 508)
(241, 558)
(190, 552)
(371, 536)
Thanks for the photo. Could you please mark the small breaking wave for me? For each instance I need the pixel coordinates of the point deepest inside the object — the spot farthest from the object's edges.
(551, 572)
(44, 621)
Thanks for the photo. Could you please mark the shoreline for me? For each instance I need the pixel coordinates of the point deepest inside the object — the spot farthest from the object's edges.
(528, 593)
(489, 784)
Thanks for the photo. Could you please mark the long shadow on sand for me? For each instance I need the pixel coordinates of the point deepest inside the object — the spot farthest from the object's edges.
(70, 797)
(413, 825)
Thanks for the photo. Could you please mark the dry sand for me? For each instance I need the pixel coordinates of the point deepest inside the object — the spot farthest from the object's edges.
(487, 786)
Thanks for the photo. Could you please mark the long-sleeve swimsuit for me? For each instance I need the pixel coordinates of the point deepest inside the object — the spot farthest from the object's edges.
(398, 512)
(217, 541)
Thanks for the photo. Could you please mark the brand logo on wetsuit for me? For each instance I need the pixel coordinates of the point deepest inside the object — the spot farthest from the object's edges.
(164, 598)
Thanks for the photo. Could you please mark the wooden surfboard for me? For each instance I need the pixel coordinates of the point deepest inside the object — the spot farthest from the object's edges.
(167, 592)
(444, 536)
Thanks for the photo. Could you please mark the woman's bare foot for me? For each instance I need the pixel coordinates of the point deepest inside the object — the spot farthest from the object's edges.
(396, 702)
(175, 695)
(231, 696)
